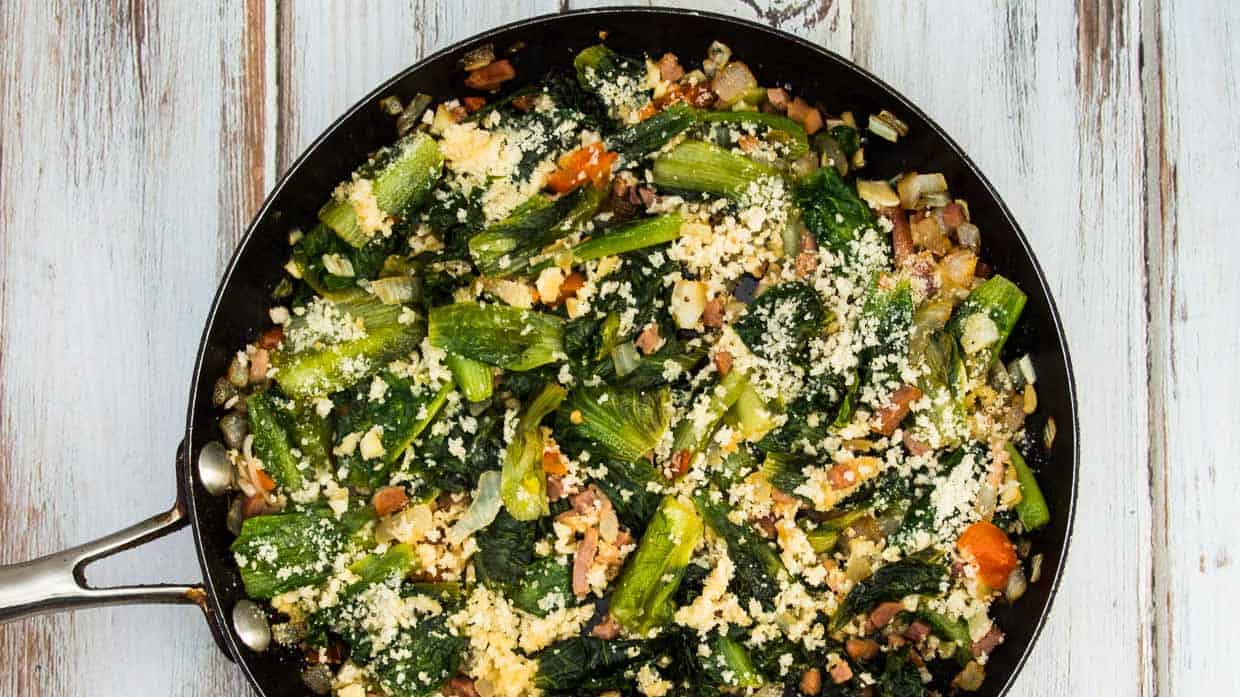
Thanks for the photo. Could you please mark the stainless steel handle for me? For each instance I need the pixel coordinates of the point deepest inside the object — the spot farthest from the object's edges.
(58, 581)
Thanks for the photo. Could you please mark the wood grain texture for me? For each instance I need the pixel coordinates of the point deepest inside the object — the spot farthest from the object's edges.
(1192, 56)
(140, 137)
(114, 158)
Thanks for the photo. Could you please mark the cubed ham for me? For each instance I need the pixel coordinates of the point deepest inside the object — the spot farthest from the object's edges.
(883, 613)
(901, 236)
(390, 499)
(889, 417)
(953, 216)
(917, 631)
(491, 76)
(778, 98)
(987, 643)
(649, 340)
(583, 560)
(840, 672)
(606, 630)
(670, 68)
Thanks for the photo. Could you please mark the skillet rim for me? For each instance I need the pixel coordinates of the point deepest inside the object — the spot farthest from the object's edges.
(185, 480)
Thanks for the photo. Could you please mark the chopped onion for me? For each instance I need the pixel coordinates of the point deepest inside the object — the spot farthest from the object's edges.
(337, 265)
(887, 126)
(1025, 363)
(878, 193)
(688, 303)
(1035, 568)
(882, 129)
(477, 58)
(969, 236)
(717, 56)
(482, 510)
(732, 82)
(239, 370)
(913, 187)
(626, 358)
(317, 678)
(234, 426)
(834, 156)
(235, 516)
(958, 267)
(979, 332)
(391, 105)
(1016, 585)
(412, 114)
(792, 236)
(393, 290)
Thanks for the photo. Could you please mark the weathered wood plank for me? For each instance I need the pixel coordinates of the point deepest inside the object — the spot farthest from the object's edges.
(115, 183)
(1047, 102)
(1191, 58)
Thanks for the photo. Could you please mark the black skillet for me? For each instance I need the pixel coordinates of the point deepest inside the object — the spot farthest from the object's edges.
(57, 582)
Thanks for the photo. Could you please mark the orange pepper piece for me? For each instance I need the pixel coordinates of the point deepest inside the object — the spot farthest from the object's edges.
(990, 551)
(591, 163)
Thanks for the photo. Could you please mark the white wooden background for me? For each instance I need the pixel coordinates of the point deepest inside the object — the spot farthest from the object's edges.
(136, 139)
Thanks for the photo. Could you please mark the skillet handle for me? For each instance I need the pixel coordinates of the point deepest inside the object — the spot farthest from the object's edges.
(58, 581)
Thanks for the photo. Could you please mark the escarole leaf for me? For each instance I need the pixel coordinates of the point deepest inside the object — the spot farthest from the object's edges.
(984, 321)
(499, 335)
(523, 485)
(780, 323)
(507, 247)
(586, 665)
(830, 208)
(695, 165)
(624, 423)
(398, 180)
(759, 572)
(280, 552)
(908, 576)
(642, 600)
(334, 345)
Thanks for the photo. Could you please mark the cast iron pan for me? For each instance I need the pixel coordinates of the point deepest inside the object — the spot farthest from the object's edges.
(57, 582)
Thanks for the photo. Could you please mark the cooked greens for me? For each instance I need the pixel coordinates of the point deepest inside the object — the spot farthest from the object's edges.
(634, 380)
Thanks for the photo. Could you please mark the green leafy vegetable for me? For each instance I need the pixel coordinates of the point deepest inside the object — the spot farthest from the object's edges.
(698, 166)
(628, 237)
(524, 484)
(777, 128)
(272, 442)
(641, 139)
(642, 599)
(401, 415)
(499, 335)
(624, 424)
(473, 378)
(831, 208)
(1031, 509)
(759, 572)
(399, 179)
(312, 363)
(280, 552)
(508, 246)
(780, 323)
(982, 323)
(585, 665)
(421, 659)
(545, 586)
(908, 576)
(505, 550)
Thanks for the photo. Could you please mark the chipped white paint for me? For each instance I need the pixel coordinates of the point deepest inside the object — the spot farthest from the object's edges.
(137, 142)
